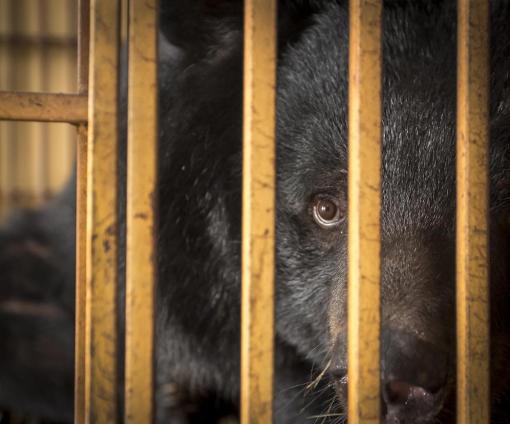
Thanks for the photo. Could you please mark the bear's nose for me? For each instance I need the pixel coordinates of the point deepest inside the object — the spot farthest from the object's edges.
(414, 375)
(399, 392)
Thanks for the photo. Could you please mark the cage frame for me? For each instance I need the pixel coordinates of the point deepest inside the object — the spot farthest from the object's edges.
(96, 379)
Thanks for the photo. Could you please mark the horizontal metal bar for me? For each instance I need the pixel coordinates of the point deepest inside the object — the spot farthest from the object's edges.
(43, 107)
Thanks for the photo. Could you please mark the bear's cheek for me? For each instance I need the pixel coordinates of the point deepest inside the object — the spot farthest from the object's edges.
(310, 268)
(304, 293)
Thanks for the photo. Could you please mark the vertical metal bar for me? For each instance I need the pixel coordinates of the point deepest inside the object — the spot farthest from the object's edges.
(365, 141)
(81, 220)
(472, 213)
(102, 225)
(81, 289)
(141, 201)
(258, 271)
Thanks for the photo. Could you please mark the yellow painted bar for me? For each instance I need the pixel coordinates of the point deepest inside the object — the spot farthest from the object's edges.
(473, 406)
(141, 260)
(102, 226)
(365, 142)
(81, 220)
(81, 290)
(258, 265)
(43, 107)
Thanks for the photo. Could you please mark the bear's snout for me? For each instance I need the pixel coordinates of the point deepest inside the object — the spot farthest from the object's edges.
(415, 376)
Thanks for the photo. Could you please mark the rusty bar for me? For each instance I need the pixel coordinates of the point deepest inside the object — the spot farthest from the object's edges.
(102, 226)
(81, 288)
(43, 107)
(141, 201)
(365, 142)
(258, 272)
(473, 384)
(81, 220)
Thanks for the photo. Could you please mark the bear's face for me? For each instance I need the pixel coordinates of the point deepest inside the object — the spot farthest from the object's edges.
(417, 217)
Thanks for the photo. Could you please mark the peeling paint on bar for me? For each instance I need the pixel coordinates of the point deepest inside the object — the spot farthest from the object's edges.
(102, 227)
(258, 265)
(473, 405)
(81, 220)
(365, 141)
(141, 220)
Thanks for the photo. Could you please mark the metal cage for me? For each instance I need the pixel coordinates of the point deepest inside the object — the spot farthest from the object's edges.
(94, 110)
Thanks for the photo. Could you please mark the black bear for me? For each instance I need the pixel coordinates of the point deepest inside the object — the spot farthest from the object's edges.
(198, 302)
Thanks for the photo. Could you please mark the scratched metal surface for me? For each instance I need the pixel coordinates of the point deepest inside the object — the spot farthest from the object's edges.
(102, 226)
(258, 272)
(141, 202)
(472, 208)
(81, 219)
(365, 141)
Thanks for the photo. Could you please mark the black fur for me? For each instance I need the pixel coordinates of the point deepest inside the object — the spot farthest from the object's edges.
(198, 302)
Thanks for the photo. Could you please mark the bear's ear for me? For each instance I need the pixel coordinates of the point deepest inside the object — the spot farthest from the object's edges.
(197, 26)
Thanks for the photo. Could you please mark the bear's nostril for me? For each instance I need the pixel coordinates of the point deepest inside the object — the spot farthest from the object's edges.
(397, 392)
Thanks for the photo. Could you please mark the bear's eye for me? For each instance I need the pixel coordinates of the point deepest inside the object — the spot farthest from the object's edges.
(326, 211)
